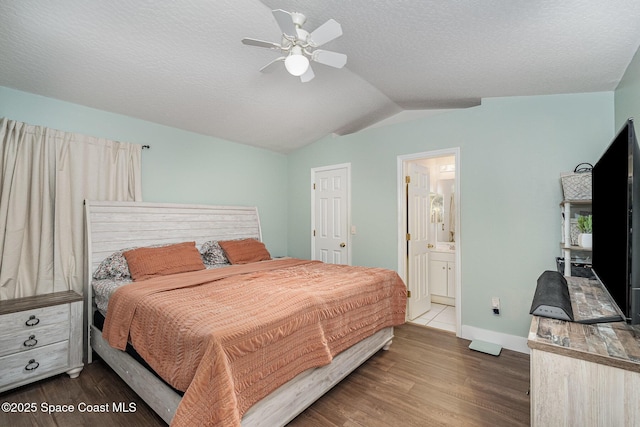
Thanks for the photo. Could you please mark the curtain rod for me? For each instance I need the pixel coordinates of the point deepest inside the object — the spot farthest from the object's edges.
(146, 146)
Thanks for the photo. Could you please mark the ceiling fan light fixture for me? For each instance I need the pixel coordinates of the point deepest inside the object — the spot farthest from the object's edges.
(296, 64)
(298, 46)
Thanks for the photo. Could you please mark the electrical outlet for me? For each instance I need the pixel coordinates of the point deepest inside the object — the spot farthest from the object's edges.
(495, 305)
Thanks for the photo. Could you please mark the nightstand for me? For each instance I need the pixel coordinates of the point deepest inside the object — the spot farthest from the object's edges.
(40, 336)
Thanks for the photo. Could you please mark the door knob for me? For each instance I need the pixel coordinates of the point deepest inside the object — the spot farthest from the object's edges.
(429, 245)
(343, 244)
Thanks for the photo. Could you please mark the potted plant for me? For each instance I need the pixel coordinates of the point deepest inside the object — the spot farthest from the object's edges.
(585, 227)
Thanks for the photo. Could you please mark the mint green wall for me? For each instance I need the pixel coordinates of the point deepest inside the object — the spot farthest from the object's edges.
(512, 152)
(627, 94)
(181, 166)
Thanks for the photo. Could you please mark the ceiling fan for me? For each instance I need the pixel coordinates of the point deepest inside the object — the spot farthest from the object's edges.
(299, 46)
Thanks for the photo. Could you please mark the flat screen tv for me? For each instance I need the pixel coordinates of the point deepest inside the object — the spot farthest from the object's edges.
(616, 212)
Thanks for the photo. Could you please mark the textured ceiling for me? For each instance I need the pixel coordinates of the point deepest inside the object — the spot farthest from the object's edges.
(181, 63)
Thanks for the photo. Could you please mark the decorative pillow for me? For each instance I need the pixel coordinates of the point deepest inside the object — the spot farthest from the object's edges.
(212, 253)
(145, 263)
(244, 251)
(114, 266)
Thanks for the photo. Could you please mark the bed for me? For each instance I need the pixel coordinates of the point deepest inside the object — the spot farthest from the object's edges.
(344, 323)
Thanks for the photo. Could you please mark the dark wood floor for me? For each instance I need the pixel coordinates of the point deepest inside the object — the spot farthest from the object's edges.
(428, 377)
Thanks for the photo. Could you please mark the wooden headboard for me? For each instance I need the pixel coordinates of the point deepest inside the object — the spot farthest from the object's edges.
(111, 226)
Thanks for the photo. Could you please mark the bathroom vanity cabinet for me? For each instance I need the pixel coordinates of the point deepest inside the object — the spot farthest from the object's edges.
(442, 277)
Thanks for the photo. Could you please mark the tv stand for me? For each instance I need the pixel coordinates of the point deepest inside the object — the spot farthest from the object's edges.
(584, 374)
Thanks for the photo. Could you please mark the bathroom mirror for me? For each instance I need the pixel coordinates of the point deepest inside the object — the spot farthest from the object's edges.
(437, 208)
(446, 227)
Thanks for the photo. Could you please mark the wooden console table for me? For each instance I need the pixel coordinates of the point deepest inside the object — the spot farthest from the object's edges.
(585, 374)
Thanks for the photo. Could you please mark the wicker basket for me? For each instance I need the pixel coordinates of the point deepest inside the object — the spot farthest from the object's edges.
(577, 185)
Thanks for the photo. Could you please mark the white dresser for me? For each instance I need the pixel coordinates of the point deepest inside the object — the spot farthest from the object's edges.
(40, 336)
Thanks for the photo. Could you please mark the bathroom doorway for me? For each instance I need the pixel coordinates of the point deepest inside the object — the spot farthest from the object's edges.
(439, 273)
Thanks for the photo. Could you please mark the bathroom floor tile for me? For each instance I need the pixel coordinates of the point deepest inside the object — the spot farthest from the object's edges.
(440, 317)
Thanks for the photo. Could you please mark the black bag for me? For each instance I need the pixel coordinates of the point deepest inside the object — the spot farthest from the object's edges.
(578, 269)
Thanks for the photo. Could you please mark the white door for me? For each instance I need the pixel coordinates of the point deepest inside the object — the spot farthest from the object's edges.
(418, 190)
(330, 211)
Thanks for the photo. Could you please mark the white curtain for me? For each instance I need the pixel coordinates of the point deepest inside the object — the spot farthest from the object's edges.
(46, 176)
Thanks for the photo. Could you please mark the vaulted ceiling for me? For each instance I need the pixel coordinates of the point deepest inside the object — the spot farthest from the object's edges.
(181, 63)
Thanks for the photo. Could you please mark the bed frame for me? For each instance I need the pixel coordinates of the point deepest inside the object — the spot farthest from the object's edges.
(111, 226)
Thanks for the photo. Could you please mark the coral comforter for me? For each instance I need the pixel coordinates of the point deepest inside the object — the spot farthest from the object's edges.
(230, 336)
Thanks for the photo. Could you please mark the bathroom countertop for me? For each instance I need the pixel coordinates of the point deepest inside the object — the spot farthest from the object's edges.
(444, 247)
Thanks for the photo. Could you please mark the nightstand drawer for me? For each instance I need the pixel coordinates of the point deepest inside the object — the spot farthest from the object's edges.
(33, 338)
(40, 336)
(33, 363)
(30, 320)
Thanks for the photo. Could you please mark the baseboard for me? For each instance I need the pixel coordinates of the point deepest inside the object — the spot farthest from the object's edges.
(511, 342)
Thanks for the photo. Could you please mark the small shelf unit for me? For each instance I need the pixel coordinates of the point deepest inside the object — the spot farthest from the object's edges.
(568, 208)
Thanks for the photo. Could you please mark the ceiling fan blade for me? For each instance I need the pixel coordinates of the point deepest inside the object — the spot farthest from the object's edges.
(307, 76)
(285, 22)
(268, 66)
(325, 33)
(332, 59)
(261, 43)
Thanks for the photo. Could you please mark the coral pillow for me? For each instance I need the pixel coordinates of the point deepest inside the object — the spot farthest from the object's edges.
(244, 251)
(145, 263)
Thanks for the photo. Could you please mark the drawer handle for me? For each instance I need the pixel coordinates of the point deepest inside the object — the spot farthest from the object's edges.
(32, 341)
(32, 365)
(33, 321)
